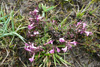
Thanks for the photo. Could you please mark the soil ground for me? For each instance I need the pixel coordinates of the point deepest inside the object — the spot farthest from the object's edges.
(78, 57)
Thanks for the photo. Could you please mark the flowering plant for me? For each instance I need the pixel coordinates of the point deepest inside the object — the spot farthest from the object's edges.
(46, 40)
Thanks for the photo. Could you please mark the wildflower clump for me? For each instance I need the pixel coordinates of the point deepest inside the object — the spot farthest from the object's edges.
(81, 28)
(45, 45)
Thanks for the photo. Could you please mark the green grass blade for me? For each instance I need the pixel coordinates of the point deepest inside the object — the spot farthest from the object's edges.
(45, 9)
(52, 7)
(54, 59)
(5, 26)
(62, 60)
(64, 21)
(19, 36)
(11, 18)
(2, 18)
(6, 34)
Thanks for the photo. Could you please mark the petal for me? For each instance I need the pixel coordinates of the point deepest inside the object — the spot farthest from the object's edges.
(26, 44)
(53, 21)
(64, 49)
(84, 25)
(31, 19)
(39, 17)
(30, 12)
(74, 42)
(78, 24)
(51, 51)
(88, 33)
(69, 46)
(61, 40)
(32, 46)
(27, 49)
(36, 32)
(50, 42)
(30, 27)
(58, 50)
(35, 11)
(32, 59)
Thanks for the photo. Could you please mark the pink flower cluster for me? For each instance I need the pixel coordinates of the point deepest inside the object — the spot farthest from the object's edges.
(34, 22)
(33, 49)
(52, 50)
(68, 44)
(81, 28)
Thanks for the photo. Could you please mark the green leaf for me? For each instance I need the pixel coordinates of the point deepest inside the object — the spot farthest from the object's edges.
(54, 59)
(48, 9)
(47, 54)
(39, 6)
(43, 14)
(45, 9)
(61, 45)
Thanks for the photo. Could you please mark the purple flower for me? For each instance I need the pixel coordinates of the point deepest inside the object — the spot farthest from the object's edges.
(53, 21)
(82, 31)
(50, 42)
(31, 26)
(32, 59)
(27, 49)
(30, 13)
(39, 17)
(69, 45)
(31, 19)
(84, 25)
(74, 42)
(52, 51)
(36, 32)
(78, 24)
(88, 33)
(26, 44)
(64, 49)
(61, 40)
(35, 11)
(58, 50)
(30, 48)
